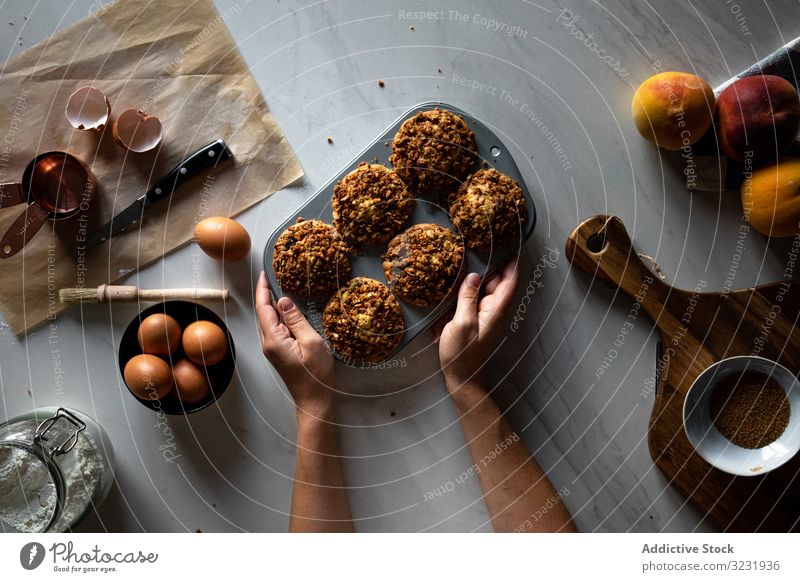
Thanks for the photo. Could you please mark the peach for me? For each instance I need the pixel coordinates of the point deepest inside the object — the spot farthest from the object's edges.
(771, 199)
(758, 118)
(673, 110)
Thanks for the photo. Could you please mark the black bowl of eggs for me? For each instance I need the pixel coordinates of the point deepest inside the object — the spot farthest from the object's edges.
(177, 357)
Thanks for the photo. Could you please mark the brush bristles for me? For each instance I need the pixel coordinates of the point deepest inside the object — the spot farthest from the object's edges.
(76, 295)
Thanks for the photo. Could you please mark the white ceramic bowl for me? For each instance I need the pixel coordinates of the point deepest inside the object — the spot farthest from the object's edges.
(719, 451)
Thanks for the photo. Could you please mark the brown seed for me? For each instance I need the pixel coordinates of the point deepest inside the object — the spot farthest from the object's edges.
(330, 139)
(381, 83)
(750, 409)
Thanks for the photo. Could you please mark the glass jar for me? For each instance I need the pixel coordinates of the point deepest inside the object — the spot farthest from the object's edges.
(55, 466)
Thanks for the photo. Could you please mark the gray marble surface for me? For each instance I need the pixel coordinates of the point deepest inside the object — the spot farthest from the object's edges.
(563, 113)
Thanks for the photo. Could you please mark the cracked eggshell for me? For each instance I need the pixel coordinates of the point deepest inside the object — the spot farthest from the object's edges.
(137, 131)
(88, 109)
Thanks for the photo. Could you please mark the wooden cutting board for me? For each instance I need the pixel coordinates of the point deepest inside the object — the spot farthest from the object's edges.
(698, 329)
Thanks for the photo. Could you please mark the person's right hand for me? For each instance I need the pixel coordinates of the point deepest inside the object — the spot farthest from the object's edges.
(297, 352)
(467, 341)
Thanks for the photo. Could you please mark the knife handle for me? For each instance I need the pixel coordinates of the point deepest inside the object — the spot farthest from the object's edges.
(203, 159)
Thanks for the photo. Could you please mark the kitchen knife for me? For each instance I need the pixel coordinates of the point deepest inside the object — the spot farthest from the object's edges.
(205, 158)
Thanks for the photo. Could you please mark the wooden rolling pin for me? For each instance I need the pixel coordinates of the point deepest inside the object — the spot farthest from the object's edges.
(130, 294)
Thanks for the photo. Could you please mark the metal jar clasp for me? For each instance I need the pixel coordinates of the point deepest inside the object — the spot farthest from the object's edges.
(70, 441)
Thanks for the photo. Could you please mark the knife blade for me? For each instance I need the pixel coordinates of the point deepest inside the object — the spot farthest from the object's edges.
(205, 158)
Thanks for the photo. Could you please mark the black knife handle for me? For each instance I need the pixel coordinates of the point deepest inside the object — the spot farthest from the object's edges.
(205, 158)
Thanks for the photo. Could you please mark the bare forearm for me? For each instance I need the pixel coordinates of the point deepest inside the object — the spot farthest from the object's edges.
(518, 494)
(319, 499)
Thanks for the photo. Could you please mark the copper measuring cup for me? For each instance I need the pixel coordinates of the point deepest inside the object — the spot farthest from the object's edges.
(56, 185)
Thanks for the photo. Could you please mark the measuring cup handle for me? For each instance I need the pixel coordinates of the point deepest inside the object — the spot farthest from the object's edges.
(11, 194)
(22, 230)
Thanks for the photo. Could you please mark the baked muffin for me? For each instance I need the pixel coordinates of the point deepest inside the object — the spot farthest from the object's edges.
(370, 204)
(311, 259)
(488, 209)
(363, 321)
(423, 263)
(433, 151)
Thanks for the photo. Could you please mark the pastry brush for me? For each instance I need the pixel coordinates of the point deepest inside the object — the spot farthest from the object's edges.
(130, 294)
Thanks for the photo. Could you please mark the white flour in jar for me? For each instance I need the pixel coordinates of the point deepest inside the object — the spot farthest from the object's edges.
(27, 491)
(28, 494)
(83, 482)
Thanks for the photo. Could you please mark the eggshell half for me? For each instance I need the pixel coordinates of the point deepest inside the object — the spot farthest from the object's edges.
(88, 109)
(137, 131)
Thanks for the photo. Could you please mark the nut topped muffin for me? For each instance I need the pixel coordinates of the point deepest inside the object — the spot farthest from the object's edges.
(370, 204)
(433, 151)
(488, 209)
(311, 259)
(423, 263)
(363, 321)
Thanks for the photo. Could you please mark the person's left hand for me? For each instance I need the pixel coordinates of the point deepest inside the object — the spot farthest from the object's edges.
(297, 351)
(467, 341)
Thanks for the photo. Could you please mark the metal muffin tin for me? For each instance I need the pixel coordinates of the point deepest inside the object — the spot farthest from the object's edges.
(428, 208)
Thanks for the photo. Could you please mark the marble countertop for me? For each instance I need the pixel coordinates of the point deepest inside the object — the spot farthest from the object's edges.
(555, 80)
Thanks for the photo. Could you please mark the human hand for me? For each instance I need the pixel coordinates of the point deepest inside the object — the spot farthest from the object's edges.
(467, 341)
(297, 351)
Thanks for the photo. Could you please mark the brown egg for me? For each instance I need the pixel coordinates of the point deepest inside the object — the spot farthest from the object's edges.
(205, 343)
(148, 377)
(191, 383)
(223, 239)
(159, 334)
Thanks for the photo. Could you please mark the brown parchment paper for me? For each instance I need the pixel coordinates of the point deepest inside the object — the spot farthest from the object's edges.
(173, 59)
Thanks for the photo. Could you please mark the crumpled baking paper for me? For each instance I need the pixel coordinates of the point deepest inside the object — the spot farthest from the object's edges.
(172, 59)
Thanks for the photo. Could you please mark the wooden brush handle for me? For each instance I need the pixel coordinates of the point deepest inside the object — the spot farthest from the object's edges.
(131, 293)
(600, 246)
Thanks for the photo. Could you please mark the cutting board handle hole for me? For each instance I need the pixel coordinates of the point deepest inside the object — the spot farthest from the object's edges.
(596, 243)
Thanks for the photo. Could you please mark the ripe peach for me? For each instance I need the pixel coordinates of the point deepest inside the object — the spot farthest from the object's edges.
(673, 110)
(758, 118)
(771, 199)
